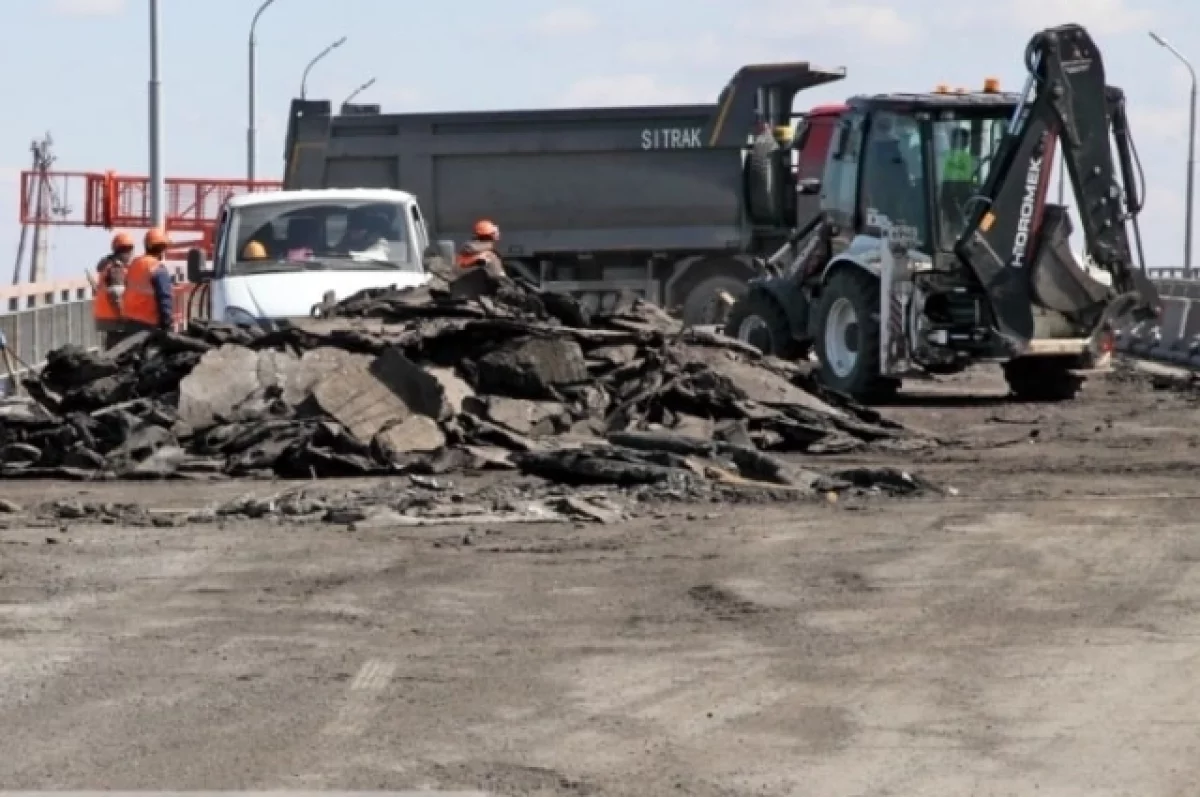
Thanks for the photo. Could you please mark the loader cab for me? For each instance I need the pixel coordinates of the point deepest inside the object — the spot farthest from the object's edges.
(913, 163)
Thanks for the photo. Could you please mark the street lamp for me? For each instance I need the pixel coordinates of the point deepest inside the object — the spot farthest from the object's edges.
(250, 127)
(154, 92)
(313, 62)
(358, 91)
(1191, 167)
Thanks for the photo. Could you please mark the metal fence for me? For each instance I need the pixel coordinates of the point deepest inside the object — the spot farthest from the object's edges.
(39, 318)
(36, 319)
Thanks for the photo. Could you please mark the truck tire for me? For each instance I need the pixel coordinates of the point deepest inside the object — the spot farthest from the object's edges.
(702, 305)
(1043, 378)
(758, 319)
(847, 336)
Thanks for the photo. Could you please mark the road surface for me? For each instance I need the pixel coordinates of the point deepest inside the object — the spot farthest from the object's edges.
(1036, 633)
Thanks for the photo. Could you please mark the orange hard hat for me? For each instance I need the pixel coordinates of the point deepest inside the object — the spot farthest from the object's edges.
(486, 230)
(122, 240)
(157, 237)
(254, 251)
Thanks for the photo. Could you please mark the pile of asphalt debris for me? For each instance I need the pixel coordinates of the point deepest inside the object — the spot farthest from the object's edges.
(475, 374)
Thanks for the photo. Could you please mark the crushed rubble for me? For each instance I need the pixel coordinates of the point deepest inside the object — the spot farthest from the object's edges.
(482, 373)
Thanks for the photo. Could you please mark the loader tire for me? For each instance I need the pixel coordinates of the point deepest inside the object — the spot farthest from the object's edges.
(847, 336)
(1043, 379)
(758, 319)
(703, 306)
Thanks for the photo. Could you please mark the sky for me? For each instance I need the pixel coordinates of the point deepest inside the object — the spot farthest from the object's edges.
(78, 69)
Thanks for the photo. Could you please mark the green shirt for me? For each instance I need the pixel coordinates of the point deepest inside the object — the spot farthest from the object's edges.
(959, 166)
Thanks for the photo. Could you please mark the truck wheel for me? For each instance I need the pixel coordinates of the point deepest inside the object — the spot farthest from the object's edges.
(703, 304)
(847, 336)
(1043, 378)
(758, 319)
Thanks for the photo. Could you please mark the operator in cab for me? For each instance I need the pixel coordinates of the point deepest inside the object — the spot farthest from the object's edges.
(958, 180)
(367, 235)
(110, 288)
(149, 301)
(481, 249)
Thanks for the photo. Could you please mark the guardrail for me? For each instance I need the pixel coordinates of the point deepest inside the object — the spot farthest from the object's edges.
(37, 318)
(1173, 339)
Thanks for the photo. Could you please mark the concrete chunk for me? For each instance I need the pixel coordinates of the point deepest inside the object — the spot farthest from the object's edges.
(358, 401)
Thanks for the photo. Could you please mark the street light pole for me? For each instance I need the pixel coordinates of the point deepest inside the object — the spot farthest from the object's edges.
(154, 91)
(1191, 166)
(313, 62)
(250, 132)
(358, 91)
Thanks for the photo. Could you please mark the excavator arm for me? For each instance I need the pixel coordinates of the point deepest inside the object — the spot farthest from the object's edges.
(1016, 244)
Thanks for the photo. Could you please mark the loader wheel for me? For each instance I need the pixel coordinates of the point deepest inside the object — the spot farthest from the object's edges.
(847, 336)
(1043, 378)
(703, 305)
(758, 319)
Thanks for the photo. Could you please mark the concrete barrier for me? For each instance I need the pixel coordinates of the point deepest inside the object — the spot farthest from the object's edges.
(1174, 339)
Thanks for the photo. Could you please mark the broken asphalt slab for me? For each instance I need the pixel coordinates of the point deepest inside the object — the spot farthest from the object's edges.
(482, 374)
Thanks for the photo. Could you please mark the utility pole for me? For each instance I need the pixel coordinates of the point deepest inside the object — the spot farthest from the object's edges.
(250, 132)
(1191, 164)
(157, 212)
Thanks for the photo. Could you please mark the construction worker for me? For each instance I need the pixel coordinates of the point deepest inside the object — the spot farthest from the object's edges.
(958, 182)
(481, 249)
(367, 234)
(149, 288)
(110, 287)
(959, 166)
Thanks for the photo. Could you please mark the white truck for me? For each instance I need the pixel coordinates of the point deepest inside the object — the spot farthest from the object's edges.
(279, 254)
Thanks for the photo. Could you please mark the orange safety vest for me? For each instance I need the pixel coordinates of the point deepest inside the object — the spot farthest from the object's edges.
(103, 306)
(477, 253)
(141, 305)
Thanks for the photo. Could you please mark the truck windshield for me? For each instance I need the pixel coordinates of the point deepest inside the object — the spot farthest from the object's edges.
(330, 234)
(964, 149)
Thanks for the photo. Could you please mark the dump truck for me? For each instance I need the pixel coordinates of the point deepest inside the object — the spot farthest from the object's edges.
(934, 247)
(679, 204)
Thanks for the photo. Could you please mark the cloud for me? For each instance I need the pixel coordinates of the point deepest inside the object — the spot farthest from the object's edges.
(566, 21)
(867, 22)
(628, 90)
(89, 8)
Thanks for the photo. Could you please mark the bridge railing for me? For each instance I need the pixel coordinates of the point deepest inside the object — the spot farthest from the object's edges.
(36, 319)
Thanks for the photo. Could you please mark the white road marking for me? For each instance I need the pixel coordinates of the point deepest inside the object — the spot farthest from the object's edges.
(361, 702)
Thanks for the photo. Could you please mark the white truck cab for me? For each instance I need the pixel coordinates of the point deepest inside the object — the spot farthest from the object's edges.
(278, 254)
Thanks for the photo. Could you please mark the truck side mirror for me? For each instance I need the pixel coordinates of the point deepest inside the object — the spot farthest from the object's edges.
(446, 250)
(810, 186)
(195, 267)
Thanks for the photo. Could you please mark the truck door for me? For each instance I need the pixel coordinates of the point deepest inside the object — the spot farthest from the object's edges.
(839, 187)
(420, 234)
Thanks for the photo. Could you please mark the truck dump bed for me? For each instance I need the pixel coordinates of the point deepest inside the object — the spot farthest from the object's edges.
(570, 180)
